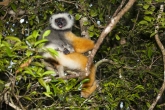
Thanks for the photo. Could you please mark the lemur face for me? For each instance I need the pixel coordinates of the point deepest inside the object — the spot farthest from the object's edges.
(61, 21)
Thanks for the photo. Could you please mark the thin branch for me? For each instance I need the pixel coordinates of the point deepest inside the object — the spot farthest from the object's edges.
(7, 97)
(163, 53)
(131, 31)
(108, 29)
(119, 8)
(158, 97)
(84, 31)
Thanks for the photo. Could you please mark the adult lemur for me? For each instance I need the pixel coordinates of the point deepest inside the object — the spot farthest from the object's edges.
(70, 49)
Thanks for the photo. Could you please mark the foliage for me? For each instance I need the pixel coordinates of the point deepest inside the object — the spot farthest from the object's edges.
(133, 81)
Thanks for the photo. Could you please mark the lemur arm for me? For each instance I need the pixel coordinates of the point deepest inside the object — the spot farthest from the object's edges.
(81, 45)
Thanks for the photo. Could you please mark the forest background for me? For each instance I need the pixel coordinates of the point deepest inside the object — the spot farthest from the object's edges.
(130, 56)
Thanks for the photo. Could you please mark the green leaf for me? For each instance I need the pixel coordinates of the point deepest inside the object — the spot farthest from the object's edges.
(4, 43)
(117, 37)
(47, 88)
(55, 89)
(29, 53)
(13, 6)
(146, 6)
(35, 34)
(85, 80)
(139, 87)
(47, 94)
(47, 73)
(149, 52)
(148, 12)
(143, 22)
(0, 38)
(8, 51)
(39, 72)
(78, 16)
(31, 22)
(91, 34)
(29, 71)
(23, 1)
(53, 52)
(34, 92)
(85, 23)
(12, 38)
(38, 64)
(147, 18)
(148, 1)
(93, 13)
(70, 85)
(29, 37)
(46, 33)
(42, 82)
(91, 28)
(152, 34)
(27, 97)
(40, 41)
(29, 85)
(148, 104)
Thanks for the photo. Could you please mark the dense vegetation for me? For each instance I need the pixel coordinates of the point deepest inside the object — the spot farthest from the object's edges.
(130, 78)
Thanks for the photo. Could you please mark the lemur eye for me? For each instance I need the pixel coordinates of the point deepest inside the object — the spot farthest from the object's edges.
(56, 20)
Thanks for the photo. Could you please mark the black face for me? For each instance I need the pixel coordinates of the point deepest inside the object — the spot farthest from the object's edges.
(66, 51)
(60, 22)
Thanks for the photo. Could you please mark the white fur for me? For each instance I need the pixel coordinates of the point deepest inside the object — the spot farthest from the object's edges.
(69, 21)
(62, 59)
(67, 62)
(51, 45)
(47, 54)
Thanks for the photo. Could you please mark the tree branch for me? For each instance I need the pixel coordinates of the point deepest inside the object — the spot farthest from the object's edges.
(108, 29)
(163, 53)
(119, 8)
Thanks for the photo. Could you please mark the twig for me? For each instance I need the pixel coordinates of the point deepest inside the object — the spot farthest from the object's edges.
(84, 31)
(6, 98)
(119, 8)
(163, 53)
(137, 16)
(161, 105)
(158, 97)
(153, 61)
(108, 29)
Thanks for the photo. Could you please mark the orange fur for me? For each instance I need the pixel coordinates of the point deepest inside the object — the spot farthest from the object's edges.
(81, 45)
(77, 58)
(72, 60)
(90, 86)
(87, 91)
(77, 61)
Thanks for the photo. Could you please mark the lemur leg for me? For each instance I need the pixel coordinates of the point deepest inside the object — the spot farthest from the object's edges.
(77, 61)
(60, 70)
(81, 45)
